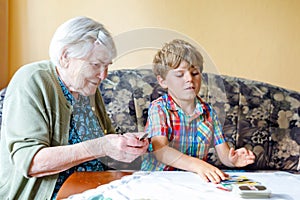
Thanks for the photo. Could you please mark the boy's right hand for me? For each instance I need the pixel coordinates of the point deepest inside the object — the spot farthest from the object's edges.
(208, 172)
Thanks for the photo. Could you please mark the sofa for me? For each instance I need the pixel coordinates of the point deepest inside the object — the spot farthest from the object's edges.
(259, 116)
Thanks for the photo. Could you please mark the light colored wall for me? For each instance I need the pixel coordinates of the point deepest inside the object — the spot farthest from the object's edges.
(3, 43)
(255, 39)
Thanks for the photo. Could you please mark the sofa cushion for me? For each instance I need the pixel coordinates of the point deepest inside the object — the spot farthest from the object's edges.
(269, 124)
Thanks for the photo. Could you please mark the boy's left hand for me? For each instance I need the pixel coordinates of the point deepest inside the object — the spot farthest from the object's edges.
(241, 157)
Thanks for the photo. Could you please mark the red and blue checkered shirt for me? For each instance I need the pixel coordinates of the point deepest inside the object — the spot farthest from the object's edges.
(189, 134)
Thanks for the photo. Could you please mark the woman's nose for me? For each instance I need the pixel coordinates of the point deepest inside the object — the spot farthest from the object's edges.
(103, 74)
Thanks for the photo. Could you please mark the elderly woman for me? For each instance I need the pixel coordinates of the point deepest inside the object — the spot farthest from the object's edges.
(54, 119)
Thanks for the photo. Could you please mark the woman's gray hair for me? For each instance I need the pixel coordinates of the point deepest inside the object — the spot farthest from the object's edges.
(77, 37)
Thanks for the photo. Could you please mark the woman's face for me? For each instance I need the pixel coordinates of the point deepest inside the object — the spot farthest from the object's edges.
(84, 75)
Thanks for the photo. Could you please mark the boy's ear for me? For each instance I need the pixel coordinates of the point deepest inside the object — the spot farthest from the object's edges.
(161, 82)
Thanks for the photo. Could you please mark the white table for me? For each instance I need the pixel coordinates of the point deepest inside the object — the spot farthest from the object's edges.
(185, 185)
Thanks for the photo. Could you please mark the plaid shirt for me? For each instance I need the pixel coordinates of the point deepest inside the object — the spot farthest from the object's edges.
(189, 134)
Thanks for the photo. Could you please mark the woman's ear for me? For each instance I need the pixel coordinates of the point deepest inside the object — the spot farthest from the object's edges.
(64, 60)
(161, 82)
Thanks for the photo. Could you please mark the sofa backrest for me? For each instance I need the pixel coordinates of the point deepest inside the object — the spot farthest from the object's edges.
(259, 116)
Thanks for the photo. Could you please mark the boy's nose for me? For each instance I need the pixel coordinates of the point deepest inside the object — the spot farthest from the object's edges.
(188, 76)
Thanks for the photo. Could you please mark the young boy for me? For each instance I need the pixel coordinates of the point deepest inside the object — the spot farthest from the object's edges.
(180, 124)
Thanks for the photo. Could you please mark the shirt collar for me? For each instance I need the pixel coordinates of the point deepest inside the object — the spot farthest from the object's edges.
(201, 107)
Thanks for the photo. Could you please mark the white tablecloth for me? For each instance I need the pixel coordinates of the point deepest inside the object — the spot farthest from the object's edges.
(185, 185)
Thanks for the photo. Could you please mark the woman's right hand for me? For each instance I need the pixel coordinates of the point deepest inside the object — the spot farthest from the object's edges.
(124, 148)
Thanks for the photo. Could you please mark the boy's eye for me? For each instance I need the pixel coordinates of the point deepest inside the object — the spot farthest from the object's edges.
(179, 74)
(195, 73)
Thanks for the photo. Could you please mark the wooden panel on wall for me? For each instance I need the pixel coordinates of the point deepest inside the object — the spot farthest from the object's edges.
(3, 43)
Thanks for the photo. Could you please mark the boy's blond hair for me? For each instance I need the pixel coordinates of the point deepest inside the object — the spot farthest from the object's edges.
(172, 54)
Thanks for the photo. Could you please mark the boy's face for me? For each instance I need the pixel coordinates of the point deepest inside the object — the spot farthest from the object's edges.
(183, 83)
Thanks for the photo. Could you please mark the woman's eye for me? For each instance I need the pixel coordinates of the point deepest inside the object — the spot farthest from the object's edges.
(96, 65)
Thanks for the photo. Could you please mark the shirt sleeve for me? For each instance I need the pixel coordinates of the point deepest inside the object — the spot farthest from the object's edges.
(157, 120)
(26, 121)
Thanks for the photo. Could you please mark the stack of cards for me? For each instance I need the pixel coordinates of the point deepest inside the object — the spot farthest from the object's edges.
(252, 191)
(244, 187)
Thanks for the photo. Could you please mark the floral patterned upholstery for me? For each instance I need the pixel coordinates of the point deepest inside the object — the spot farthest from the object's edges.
(2, 93)
(257, 115)
(262, 117)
